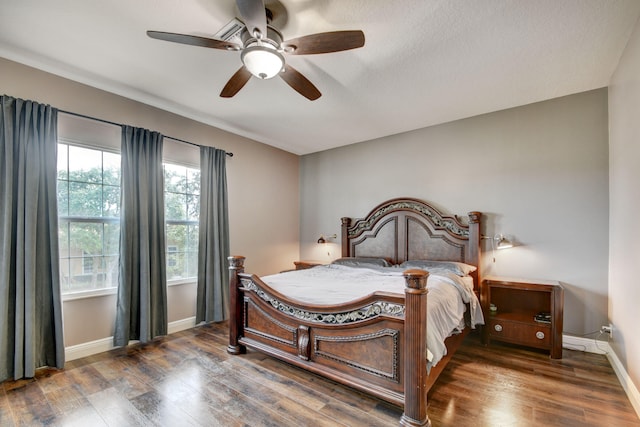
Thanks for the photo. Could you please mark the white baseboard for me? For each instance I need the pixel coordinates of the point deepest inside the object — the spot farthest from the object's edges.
(105, 344)
(85, 349)
(628, 385)
(603, 347)
(181, 325)
(588, 345)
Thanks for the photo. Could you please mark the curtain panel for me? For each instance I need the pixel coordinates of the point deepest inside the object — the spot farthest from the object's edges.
(142, 286)
(31, 333)
(213, 242)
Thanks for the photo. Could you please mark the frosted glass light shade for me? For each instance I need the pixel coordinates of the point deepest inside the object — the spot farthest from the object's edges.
(261, 61)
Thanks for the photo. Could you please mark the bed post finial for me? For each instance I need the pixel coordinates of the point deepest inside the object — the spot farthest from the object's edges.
(236, 262)
(415, 349)
(474, 217)
(236, 266)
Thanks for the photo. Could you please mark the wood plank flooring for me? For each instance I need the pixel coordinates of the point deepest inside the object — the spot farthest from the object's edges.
(188, 379)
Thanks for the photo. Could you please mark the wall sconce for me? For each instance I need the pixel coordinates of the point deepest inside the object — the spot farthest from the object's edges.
(323, 238)
(498, 242)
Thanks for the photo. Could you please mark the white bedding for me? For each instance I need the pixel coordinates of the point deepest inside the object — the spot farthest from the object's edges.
(336, 284)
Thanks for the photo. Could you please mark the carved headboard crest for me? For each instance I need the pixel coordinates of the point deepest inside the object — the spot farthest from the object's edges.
(449, 223)
(404, 229)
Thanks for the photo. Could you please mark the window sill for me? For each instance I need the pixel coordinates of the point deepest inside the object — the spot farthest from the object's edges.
(185, 281)
(72, 296)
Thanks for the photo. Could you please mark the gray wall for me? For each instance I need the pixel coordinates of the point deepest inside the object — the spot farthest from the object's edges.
(539, 173)
(624, 152)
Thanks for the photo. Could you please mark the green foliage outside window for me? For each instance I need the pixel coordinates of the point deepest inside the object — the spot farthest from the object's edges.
(182, 209)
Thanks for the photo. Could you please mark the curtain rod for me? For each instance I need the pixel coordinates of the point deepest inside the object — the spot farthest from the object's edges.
(120, 124)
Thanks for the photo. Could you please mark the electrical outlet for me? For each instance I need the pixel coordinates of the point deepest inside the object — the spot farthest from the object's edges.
(607, 329)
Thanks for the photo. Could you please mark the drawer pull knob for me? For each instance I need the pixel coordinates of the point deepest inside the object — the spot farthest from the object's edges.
(498, 328)
(540, 335)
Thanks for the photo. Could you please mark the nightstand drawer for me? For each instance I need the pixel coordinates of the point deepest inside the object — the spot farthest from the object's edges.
(536, 335)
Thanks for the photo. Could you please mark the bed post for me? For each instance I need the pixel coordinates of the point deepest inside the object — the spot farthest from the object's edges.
(473, 256)
(236, 266)
(415, 350)
(346, 222)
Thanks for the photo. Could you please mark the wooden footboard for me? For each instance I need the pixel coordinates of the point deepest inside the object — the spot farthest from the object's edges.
(376, 344)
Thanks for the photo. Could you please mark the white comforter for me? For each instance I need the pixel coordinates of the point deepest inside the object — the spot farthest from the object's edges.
(337, 284)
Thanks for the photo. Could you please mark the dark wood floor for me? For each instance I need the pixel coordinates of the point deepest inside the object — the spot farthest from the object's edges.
(189, 379)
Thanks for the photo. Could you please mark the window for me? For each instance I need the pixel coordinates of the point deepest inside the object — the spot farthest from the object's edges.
(89, 218)
(182, 208)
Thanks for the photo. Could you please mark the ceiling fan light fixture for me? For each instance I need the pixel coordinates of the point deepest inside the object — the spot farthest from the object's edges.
(262, 61)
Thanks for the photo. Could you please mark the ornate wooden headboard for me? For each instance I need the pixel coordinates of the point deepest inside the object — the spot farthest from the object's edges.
(409, 229)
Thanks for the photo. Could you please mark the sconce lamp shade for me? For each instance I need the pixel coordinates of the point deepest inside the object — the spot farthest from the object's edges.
(499, 242)
(325, 239)
(502, 242)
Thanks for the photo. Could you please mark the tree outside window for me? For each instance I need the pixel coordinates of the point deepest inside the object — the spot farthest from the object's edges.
(182, 209)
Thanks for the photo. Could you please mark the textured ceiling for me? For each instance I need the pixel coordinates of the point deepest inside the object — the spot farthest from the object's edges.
(424, 61)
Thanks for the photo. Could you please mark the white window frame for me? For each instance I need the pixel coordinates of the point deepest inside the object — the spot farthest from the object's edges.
(87, 293)
(187, 222)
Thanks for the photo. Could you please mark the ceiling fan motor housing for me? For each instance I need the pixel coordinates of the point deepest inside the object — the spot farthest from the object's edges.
(274, 38)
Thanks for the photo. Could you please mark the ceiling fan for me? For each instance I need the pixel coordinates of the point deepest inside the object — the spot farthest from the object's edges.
(262, 48)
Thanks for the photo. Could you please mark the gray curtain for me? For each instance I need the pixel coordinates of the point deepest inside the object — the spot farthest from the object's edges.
(30, 304)
(213, 243)
(142, 293)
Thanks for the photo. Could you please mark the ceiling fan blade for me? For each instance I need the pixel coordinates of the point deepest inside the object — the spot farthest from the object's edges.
(254, 16)
(193, 40)
(300, 83)
(333, 41)
(236, 82)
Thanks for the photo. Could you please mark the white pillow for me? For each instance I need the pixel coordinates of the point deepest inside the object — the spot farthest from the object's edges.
(459, 268)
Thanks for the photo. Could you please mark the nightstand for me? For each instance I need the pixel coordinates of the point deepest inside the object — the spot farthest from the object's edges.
(513, 308)
(303, 265)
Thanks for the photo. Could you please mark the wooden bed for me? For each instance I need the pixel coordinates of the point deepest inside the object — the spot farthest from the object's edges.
(383, 353)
